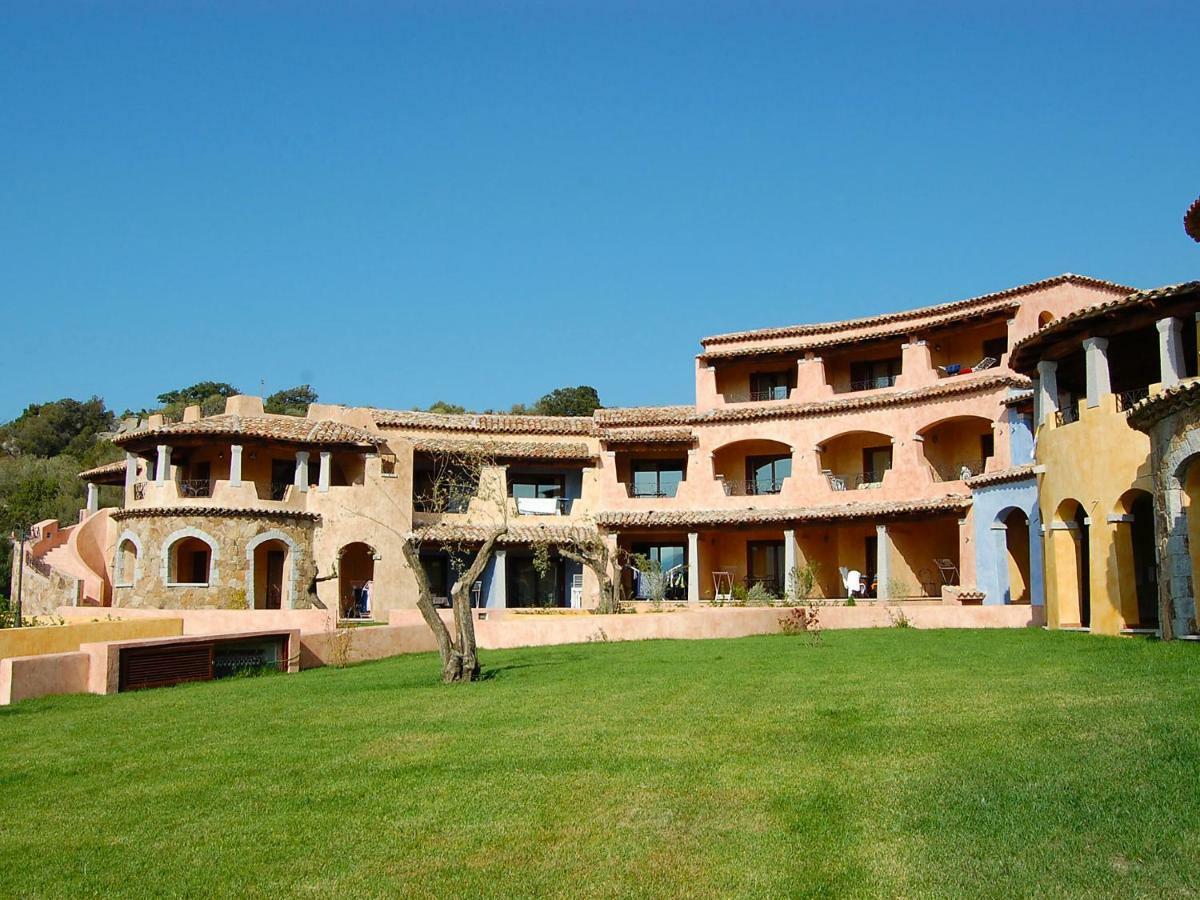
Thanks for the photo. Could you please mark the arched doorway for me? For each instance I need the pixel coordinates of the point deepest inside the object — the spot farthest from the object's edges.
(356, 575)
(1016, 556)
(1136, 559)
(1071, 555)
(271, 561)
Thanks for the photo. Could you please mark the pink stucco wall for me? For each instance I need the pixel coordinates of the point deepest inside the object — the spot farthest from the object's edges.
(26, 677)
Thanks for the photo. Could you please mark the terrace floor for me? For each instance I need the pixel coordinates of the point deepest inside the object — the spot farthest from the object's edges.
(884, 762)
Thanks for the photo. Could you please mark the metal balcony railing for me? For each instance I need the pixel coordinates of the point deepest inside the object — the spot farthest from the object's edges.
(871, 384)
(1126, 400)
(753, 488)
(1067, 415)
(139, 491)
(850, 481)
(635, 491)
(748, 396)
(195, 487)
(958, 470)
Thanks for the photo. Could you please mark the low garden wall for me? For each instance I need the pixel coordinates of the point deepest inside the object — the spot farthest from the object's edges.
(216, 621)
(43, 639)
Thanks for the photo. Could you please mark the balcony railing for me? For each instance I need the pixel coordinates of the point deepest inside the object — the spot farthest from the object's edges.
(958, 470)
(852, 481)
(195, 487)
(139, 491)
(1067, 415)
(753, 488)
(871, 384)
(541, 506)
(1126, 400)
(635, 491)
(744, 396)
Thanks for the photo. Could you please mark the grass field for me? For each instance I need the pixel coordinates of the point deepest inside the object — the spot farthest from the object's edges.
(888, 762)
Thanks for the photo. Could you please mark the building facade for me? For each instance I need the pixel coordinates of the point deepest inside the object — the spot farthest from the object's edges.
(901, 447)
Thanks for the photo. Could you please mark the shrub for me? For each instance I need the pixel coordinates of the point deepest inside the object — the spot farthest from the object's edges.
(802, 620)
(801, 582)
(758, 595)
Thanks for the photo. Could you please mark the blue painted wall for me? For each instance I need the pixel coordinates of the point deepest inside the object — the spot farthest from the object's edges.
(991, 554)
(1021, 431)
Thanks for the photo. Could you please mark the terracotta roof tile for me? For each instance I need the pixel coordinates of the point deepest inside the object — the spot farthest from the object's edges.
(1018, 398)
(961, 384)
(647, 436)
(445, 532)
(575, 450)
(288, 429)
(839, 512)
(1145, 413)
(486, 423)
(112, 468)
(644, 415)
(1016, 473)
(1025, 351)
(220, 512)
(939, 313)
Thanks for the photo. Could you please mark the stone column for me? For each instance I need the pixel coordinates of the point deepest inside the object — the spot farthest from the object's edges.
(1096, 360)
(1170, 351)
(789, 559)
(93, 498)
(1047, 390)
(883, 561)
(130, 475)
(301, 480)
(323, 480)
(693, 567)
(163, 470)
(499, 598)
(235, 465)
(1000, 561)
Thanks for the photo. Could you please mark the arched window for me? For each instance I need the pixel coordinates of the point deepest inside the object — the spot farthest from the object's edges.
(1044, 319)
(190, 562)
(125, 565)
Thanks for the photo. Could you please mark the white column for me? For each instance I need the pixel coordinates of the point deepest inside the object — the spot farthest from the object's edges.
(301, 480)
(235, 465)
(323, 479)
(499, 579)
(1099, 383)
(789, 559)
(1047, 390)
(93, 498)
(693, 567)
(130, 475)
(163, 471)
(1170, 351)
(883, 560)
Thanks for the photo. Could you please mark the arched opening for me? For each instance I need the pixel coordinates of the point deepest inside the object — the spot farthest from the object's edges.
(753, 467)
(190, 562)
(855, 460)
(1045, 318)
(1072, 575)
(356, 575)
(272, 559)
(125, 563)
(1016, 545)
(1190, 498)
(1135, 559)
(958, 447)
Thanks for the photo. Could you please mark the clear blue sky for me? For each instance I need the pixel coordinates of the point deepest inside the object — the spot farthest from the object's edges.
(480, 202)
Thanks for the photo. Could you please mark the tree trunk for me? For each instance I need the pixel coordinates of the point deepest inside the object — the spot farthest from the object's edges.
(425, 604)
(464, 620)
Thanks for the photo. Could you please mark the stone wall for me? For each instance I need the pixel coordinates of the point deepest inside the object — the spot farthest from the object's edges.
(232, 539)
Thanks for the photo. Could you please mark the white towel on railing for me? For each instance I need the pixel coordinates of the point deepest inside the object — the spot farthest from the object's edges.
(537, 506)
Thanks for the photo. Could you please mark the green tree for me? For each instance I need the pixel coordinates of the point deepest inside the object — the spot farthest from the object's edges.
(569, 401)
(208, 395)
(445, 408)
(293, 401)
(49, 429)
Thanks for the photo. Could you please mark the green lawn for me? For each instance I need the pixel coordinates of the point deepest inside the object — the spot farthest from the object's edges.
(888, 762)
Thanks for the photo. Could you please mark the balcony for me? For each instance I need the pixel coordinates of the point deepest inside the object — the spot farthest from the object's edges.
(753, 488)
(874, 383)
(855, 481)
(541, 506)
(1127, 400)
(195, 487)
(1067, 415)
(959, 470)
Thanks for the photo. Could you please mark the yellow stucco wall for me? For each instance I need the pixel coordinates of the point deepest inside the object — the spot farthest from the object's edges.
(66, 638)
(1094, 461)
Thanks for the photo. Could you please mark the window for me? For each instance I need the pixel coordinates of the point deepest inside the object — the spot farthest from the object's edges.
(448, 490)
(437, 573)
(657, 477)
(770, 385)
(764, 565)
(876, 461)
(126, 564)
(995, 347)
(765, 474)
(874, 373)
(536, 486)
(987, 446)
(672, 559)
(190, 562)
(529, 586)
